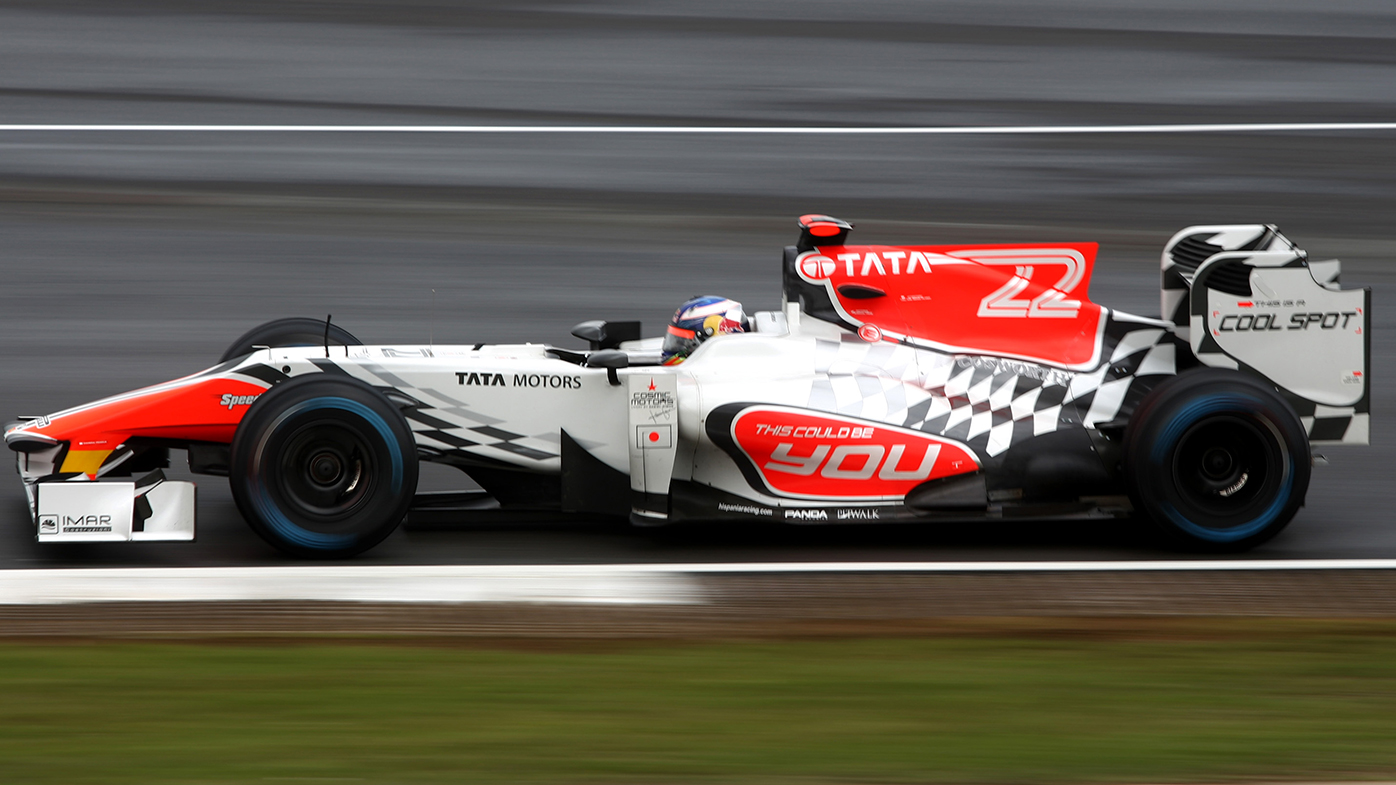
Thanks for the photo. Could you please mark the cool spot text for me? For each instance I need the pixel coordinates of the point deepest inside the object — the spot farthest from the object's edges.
(1264, 322)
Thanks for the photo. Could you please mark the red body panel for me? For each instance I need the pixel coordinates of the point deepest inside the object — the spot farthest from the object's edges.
(1024, 301)
(808, 455)
(195, 409)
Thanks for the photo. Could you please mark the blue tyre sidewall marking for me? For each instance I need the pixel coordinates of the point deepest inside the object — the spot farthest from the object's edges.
(1174, 430)
(283, 526)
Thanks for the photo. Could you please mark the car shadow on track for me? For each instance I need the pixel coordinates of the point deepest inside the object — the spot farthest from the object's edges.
(609, 539)
(981, 541)
(224, 540)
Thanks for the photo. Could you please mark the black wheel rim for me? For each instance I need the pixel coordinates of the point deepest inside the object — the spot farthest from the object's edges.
(1226, 468)
(326, 471)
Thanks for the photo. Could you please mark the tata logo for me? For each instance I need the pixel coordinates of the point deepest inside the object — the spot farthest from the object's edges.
(229, 400)
(815, 267)
(531, 380)
(473, 379)
(806, 515)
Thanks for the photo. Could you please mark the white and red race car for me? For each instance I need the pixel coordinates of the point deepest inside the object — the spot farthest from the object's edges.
(896, 383)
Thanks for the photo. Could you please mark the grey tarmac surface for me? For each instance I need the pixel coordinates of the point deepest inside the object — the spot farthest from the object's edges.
(130, 258)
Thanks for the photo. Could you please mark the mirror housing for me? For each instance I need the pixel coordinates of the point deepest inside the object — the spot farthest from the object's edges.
(817, 230)
(610, 359)
(601, 334)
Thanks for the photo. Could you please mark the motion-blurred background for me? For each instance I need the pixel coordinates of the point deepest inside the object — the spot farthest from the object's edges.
(132, 257)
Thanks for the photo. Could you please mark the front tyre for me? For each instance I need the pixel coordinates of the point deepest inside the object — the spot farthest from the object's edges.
(1217, 460)
(323, 466)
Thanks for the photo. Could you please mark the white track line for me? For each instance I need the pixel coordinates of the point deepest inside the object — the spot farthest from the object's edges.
(412, 584)
(628, 584)
(1193, 128)
(1191, 565)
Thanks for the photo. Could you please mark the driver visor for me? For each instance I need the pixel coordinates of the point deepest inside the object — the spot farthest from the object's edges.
(679, 342)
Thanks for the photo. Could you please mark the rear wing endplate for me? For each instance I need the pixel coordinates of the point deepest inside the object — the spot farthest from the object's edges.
(1277, 315)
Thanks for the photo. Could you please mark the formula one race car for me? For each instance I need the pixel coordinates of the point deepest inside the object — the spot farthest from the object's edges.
(896, 383)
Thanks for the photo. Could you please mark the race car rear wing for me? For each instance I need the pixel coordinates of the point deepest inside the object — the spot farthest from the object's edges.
(1246, 297)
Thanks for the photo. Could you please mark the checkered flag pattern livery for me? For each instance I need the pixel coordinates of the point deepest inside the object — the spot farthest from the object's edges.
(1330, 424)
(441, 423)
(1323, 424)
(989, 403)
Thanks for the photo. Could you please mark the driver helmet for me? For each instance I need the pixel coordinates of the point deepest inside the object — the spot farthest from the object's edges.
(696, 321)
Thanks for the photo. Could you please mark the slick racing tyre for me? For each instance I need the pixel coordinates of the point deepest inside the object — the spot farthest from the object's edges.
(295, 331)
(1217, 460)
(323, 466)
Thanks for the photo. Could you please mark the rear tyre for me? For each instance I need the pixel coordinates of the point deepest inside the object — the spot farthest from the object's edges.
(323, 467)
(295, 331)
(1217, 460)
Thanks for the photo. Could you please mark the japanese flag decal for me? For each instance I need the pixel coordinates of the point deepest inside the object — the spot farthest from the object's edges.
(654, 419)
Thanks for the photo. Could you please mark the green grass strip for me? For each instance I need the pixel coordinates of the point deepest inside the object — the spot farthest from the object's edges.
(956, 709)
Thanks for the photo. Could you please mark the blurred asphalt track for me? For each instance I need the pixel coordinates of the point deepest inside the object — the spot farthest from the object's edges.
(130, 258)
